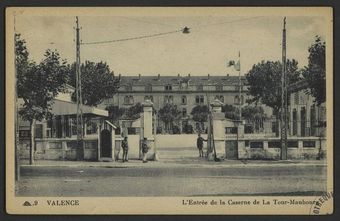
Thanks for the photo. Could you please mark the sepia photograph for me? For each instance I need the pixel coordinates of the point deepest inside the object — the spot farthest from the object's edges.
(184, 110)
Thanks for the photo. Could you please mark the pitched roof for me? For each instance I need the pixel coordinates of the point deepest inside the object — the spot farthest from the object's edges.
(193, 80)
(297, 86)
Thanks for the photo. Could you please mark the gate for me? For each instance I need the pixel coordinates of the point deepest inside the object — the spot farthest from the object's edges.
(105, 143)
(231, 149)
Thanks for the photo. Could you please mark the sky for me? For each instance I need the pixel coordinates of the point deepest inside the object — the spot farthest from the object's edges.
(212, 41)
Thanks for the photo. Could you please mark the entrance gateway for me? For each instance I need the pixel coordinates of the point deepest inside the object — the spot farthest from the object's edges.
(105, 143)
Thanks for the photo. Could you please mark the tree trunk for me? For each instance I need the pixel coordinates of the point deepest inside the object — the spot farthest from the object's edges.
(32, 143)
(277, 125)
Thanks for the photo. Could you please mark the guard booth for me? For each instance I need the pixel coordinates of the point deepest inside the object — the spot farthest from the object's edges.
(56, 138)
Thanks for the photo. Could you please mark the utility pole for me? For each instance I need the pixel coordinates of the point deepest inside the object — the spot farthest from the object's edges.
(80, 129)
(239, 87)
(284, 103)
(16, 120)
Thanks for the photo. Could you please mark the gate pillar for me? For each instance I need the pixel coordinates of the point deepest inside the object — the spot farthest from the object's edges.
(147, 131)
(218, 128)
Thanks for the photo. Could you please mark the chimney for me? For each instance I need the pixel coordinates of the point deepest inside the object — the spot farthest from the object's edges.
(178, 75)
(208, 76)
(159, 77)
(189, 75)
(119, 76)
(227, 75)
(138, 76)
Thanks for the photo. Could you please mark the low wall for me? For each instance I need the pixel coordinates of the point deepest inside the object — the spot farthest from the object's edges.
(58, 149)
(304, 148)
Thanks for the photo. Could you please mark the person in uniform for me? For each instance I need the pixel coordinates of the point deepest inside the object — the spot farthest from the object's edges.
(145, 150)
(200, 145)
(125, 147)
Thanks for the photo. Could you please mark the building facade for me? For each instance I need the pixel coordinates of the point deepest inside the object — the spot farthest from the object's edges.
(306, 118)
(185, 92)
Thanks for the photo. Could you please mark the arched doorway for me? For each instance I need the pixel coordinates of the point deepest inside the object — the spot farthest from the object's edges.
(105, 143)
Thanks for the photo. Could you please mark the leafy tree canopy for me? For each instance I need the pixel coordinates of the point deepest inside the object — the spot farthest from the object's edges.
(38, 84)
(116, 113)
(200, 113)
(98, 82)
(231, 112)
(169, 113)
(264, 82)
(315, 73)
(253, 113)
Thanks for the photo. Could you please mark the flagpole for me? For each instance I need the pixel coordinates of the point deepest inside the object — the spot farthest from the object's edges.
(239, 86)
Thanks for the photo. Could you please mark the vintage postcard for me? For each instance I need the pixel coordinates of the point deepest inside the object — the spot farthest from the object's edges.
(169, 110)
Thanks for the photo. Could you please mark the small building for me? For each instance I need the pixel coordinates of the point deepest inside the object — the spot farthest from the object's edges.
(56, 138)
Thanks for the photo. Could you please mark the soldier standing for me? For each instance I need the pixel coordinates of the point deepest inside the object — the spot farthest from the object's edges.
(125, 147)
(145, 150)
(200, 145)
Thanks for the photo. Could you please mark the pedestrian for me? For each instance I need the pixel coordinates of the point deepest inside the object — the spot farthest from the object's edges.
(125, 147)
(200, 144)
(145, 150)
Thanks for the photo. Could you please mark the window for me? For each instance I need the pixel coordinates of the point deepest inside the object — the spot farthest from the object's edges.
(184, 112)
(313, 120)
(220, 98)
(219, 87)
(274, 127)
(58, 127)
(132, 130)
(308, 143)
(148, 97)
(148, 87)
(236, 99)
(38, 131)
(294, 122)
(184, 99)
(73, 126)
(296, 98)
(292, 144)
(303, 121)
(256, 144)
(91, 127)
(199, 99)
(274, 144)
(246, 143)
(128, 100)
(24, 134)
(200, 87)
(168, 87)
(231, 130)
(168, 99)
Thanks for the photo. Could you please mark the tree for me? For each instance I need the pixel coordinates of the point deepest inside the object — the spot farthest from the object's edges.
(133, 112)
(115, 112)
(264, 82)
(98, 82)
(37, 85)
(200, 114)
(315, 73)
(231, 112)
(254, 115)
(169, 113)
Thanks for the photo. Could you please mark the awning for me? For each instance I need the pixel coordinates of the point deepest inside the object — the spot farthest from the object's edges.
(69, 108)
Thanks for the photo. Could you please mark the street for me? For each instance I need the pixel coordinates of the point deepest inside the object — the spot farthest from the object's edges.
(172, 179)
